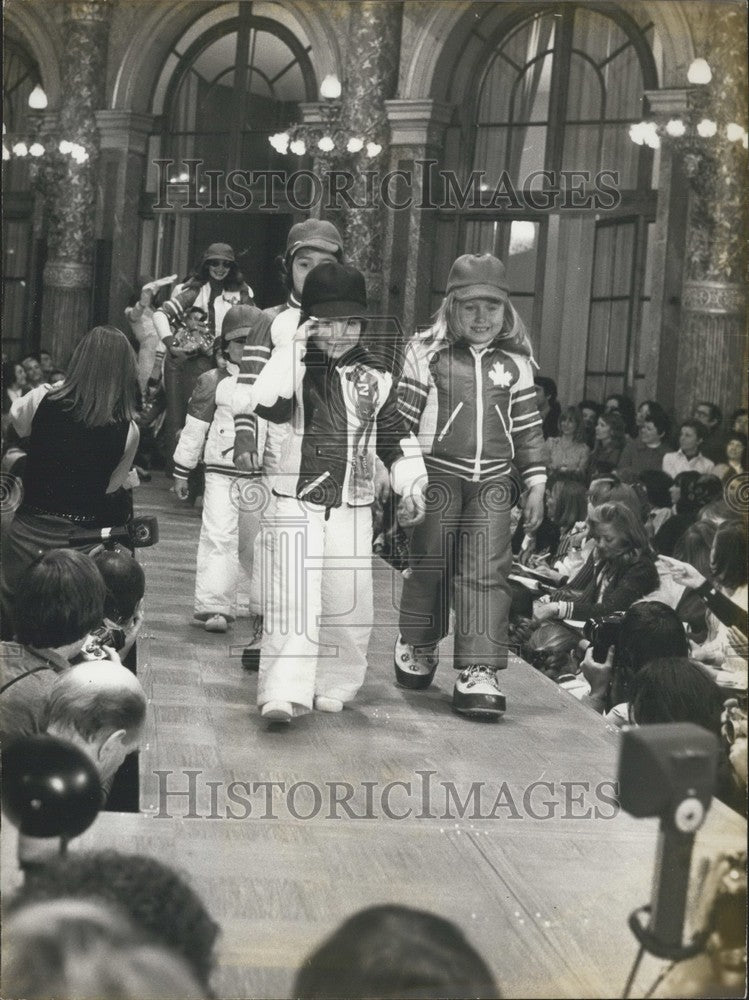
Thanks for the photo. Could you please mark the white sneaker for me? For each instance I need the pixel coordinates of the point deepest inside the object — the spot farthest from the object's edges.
(477, 693)
(323, 704)
(216, 623)
(277, 711)
(414, 667)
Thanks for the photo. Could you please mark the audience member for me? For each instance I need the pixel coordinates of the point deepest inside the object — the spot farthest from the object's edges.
(690, 492)
(548, 405)
(33, 370)
(733, 461)
(48, 365)
(551, 649)
(59, 599)
(14, 384)
(647, 450)
(740, 420)
(619, 571)
(72, 949)
(623, 405)
(139, 314)
(125, 584)
(657, 486)
(611, 437)
(689, 457)
(590, 411)
(101, 708)
(82, 442)
(713, 444)
(568, 452)
(395, 953)
(157, 900)
(648, 630)
(717, 511)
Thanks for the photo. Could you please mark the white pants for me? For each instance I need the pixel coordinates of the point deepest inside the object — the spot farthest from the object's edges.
(232, 507)
(318, 604)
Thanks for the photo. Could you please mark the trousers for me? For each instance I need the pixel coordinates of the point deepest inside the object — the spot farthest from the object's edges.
(318, 603)
(461, 556)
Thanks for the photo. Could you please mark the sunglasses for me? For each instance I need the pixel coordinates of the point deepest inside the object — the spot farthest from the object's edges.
(215, 262)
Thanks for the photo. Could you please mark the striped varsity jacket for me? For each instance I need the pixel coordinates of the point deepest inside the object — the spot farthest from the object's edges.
(343, 413)
(209, 427)
(473, 409)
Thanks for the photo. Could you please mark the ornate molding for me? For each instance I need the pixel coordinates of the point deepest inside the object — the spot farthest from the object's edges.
(667, 103)
(714, 297)
(67, 274)
(124, 130)
(89, 10)
(418, 122)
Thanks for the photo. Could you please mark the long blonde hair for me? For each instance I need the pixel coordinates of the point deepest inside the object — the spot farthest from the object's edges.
(513, 335)
(101, 385)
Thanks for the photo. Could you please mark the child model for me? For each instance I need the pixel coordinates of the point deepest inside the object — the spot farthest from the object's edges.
(467, 387)
(343, 409)
(230, 522)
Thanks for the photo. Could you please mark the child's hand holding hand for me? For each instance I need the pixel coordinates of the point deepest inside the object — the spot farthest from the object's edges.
(410, 510)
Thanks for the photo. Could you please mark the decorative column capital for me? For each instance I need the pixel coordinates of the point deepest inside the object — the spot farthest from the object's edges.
(67, 274)
(418, 122)
(89, 10)
(716, 297)
(124, 130)
(667, 103)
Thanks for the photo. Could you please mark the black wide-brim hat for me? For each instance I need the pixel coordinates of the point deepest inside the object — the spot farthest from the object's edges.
(334, 291)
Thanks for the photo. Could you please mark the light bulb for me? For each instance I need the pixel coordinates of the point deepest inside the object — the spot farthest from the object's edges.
(326, 144)
(36, 149)
(706, 128)
(676, 127)
(6, 152)
(734, 132)
(297, 147)
(65, 147)
(330, 88)
(20, 149)
(355, 145)
(699, 72)
(37, 98)
(373, 149)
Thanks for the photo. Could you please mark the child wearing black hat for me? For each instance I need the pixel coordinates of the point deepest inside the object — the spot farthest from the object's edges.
(232, 502)
(467, 388)
(343, 411)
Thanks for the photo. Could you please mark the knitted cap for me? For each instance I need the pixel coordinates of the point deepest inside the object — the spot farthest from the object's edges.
(333, 291)
(219, 251)
(315, 233)
(475, 276)
(238, 322)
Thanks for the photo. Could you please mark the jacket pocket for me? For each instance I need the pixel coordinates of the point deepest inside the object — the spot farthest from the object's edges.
(449, 421)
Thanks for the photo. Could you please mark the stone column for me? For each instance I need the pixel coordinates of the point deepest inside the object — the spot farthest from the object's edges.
(124, 145)
(417, 131)
(68, 272)
(371, 77)
(712, 345)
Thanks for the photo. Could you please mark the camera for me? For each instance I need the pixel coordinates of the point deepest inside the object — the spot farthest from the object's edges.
(603, 632)
(734, 722)
(98, 638)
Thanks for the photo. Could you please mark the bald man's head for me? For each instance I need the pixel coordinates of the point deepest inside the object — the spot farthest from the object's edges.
(101, 707)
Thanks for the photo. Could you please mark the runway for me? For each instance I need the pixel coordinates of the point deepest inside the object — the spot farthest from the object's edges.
(509, 829)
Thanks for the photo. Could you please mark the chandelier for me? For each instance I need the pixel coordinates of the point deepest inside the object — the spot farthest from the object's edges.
(21, 145)
(326, 137)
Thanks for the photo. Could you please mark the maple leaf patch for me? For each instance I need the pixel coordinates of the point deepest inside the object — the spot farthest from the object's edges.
(499, 375)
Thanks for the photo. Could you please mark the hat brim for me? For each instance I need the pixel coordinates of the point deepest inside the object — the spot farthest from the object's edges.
(240, 333)
(339, 310)
(480, 292)
(314, 244)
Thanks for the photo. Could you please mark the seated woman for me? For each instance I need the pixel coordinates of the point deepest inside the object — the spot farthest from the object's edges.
(690, 492)
(566, 506)
(725, 594)
(611, 436)
(646, 451)
(657, 485)
(619, 571)
(59, 599)
(568, 452)
(735, 457)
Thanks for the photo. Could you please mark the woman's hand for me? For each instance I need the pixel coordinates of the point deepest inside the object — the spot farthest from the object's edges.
(545, 612)
(598, 675)
(683, 573)
(737, 641)
(112, 655)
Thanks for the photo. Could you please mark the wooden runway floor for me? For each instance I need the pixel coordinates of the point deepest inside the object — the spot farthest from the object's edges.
(539, 872)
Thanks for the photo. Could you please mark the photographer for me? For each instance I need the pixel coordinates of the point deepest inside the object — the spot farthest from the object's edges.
(82, 440)
(125, 584)
(648, 630)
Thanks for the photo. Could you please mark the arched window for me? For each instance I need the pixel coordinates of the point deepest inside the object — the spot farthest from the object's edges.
(543, 127)
(229, 82)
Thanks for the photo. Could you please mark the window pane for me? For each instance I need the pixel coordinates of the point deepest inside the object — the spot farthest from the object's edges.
(619, 154)
(521, 254)
(617, 360)
(602, 269)
(479, 237)
(624, 244)
(585, 100)
(598, 334)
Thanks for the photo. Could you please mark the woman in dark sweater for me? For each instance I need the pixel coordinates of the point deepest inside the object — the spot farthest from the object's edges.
(82, 440)
(619, 571)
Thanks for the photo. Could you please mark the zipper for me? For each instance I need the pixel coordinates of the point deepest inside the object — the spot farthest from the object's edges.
(479, 413)
(450, 419)
(315, 482)
(507, 432)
